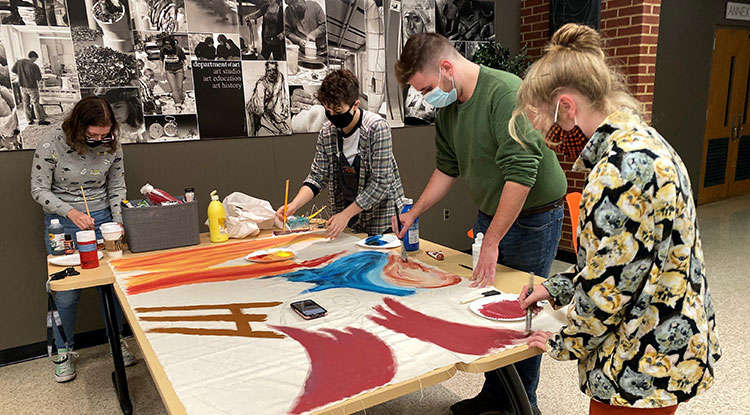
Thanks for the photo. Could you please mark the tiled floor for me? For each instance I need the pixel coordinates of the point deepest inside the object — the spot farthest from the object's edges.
(29, 388)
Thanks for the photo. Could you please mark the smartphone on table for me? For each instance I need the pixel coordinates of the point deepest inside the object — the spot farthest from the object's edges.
(308, 309)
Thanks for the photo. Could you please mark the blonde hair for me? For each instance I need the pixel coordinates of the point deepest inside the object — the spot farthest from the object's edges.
(573, 59)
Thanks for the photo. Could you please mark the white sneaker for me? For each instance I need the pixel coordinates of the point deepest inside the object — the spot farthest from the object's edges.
(128, 358)
(65, 371)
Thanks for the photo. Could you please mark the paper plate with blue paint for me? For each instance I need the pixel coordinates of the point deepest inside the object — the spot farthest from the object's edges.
(386, 241)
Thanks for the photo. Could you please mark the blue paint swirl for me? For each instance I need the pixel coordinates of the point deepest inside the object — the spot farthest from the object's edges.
(361, 271)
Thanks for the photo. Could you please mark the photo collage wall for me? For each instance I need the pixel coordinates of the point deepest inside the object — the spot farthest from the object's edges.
(166, 66)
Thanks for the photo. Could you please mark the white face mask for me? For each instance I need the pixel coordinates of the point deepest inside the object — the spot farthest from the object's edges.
(439, 98)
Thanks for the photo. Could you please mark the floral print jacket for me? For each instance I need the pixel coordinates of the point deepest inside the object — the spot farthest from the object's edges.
(641, 322)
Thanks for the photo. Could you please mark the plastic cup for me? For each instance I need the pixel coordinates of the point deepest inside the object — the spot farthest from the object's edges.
(86, 241)
(112, 233)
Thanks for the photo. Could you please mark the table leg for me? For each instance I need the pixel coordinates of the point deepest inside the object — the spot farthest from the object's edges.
(519, 401)
(119, 379)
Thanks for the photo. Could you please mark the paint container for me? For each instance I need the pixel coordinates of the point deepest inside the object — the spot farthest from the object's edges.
(411, 238)
(436, 254)
(112, 233)
(56, 233)
(189, 194)
(476, 249)
(69, 246)
(87, 249)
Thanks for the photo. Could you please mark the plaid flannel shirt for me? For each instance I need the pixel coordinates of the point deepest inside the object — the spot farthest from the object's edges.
(379, 180)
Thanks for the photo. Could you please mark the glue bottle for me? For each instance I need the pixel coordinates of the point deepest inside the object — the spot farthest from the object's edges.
(216, 217)
(411, 238)
(476, 248)
(56, 237)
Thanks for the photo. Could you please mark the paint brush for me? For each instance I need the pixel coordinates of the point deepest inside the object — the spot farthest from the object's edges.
(85, 202)
(530, 309)
(286, 203)
(316, 213)
(400, 227)
(484, 294)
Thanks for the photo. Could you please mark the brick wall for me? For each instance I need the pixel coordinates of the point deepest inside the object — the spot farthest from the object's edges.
(630, 29)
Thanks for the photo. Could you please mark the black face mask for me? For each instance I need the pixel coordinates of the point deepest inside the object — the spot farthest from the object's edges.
(341, 120)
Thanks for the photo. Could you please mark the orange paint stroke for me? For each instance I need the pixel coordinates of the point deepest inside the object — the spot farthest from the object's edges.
(241, 320)
(414, 274)
(153, 281)
(206, 257)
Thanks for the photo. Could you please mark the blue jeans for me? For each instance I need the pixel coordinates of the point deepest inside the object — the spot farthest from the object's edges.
(529, 245)
(67, 301)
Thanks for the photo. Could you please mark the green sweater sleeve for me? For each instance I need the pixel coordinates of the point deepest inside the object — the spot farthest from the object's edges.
(445, 157)
(519, 163)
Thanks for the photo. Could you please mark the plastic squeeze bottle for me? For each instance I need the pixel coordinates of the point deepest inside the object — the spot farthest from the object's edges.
(216, 217)
(411, 238)
(476, 248)
(56, 237)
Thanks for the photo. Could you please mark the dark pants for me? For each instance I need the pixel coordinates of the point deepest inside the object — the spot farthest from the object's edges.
(529, 245)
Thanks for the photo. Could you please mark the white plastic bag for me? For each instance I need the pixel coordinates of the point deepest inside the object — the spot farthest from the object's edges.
(246, 215)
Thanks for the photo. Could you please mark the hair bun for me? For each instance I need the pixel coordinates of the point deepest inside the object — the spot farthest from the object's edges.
(577, 37)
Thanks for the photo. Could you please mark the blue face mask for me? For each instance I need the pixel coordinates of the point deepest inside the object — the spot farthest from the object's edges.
(439, 98)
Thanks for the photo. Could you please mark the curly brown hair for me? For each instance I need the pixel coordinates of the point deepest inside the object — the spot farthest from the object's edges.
(339, 88)
(90, 111)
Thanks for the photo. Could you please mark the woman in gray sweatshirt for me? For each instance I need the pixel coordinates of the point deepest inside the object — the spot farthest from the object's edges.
(86, 153)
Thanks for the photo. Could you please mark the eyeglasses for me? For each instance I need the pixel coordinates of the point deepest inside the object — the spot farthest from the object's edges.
(103, 139)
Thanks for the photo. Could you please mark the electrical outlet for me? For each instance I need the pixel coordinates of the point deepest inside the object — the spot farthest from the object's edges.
(446, 215)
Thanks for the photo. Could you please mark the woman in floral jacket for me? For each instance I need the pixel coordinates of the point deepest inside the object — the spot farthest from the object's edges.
(641, 323)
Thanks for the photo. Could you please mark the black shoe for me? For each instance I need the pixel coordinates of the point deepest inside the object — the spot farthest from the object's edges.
(43, 122)
(478, 405)
(31, 122)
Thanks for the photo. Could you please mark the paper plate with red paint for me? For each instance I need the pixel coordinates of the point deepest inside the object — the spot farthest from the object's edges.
(265, 256)
(503, 307)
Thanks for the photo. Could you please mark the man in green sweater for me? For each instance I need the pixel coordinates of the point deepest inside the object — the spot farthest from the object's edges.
(517, 187)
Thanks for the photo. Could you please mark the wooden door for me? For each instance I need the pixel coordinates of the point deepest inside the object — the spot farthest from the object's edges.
(726, 149)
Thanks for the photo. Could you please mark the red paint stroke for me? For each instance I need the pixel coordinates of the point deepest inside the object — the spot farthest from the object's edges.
(343, 363)
(159, 280)
(456, 337)
(503, 309)
(414, 274)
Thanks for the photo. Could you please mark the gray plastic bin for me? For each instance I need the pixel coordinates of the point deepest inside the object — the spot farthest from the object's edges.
(150, 228)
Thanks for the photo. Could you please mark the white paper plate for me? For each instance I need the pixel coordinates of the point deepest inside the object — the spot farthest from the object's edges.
(476, 306)
(71, 260)
(269, 251)
(391, 241)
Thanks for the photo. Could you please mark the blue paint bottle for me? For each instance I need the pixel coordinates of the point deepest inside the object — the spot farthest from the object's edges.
(411, 239)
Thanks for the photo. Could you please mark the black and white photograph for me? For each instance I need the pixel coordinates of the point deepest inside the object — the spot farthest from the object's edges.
(24, 13)
(43, 77)
(165, 77)
(266, 98)
(159, 15)
(126, 105)
(214, 16)
(214, 46)
(56, 12)
(308, 115)
(163, 128)
(356, 41)
(219, 84)
(103, 43)
(10, 136)
(467, 49)
(262, 30)
(416, 110)
(305, 30)
(466, 19)
(418, 16)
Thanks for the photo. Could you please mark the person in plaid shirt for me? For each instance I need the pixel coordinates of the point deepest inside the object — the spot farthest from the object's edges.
(354, 158)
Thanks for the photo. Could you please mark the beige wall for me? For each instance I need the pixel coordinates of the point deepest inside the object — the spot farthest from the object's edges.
(256, 166)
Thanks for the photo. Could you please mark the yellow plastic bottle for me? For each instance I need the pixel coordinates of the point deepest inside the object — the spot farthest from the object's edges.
(216, 217)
